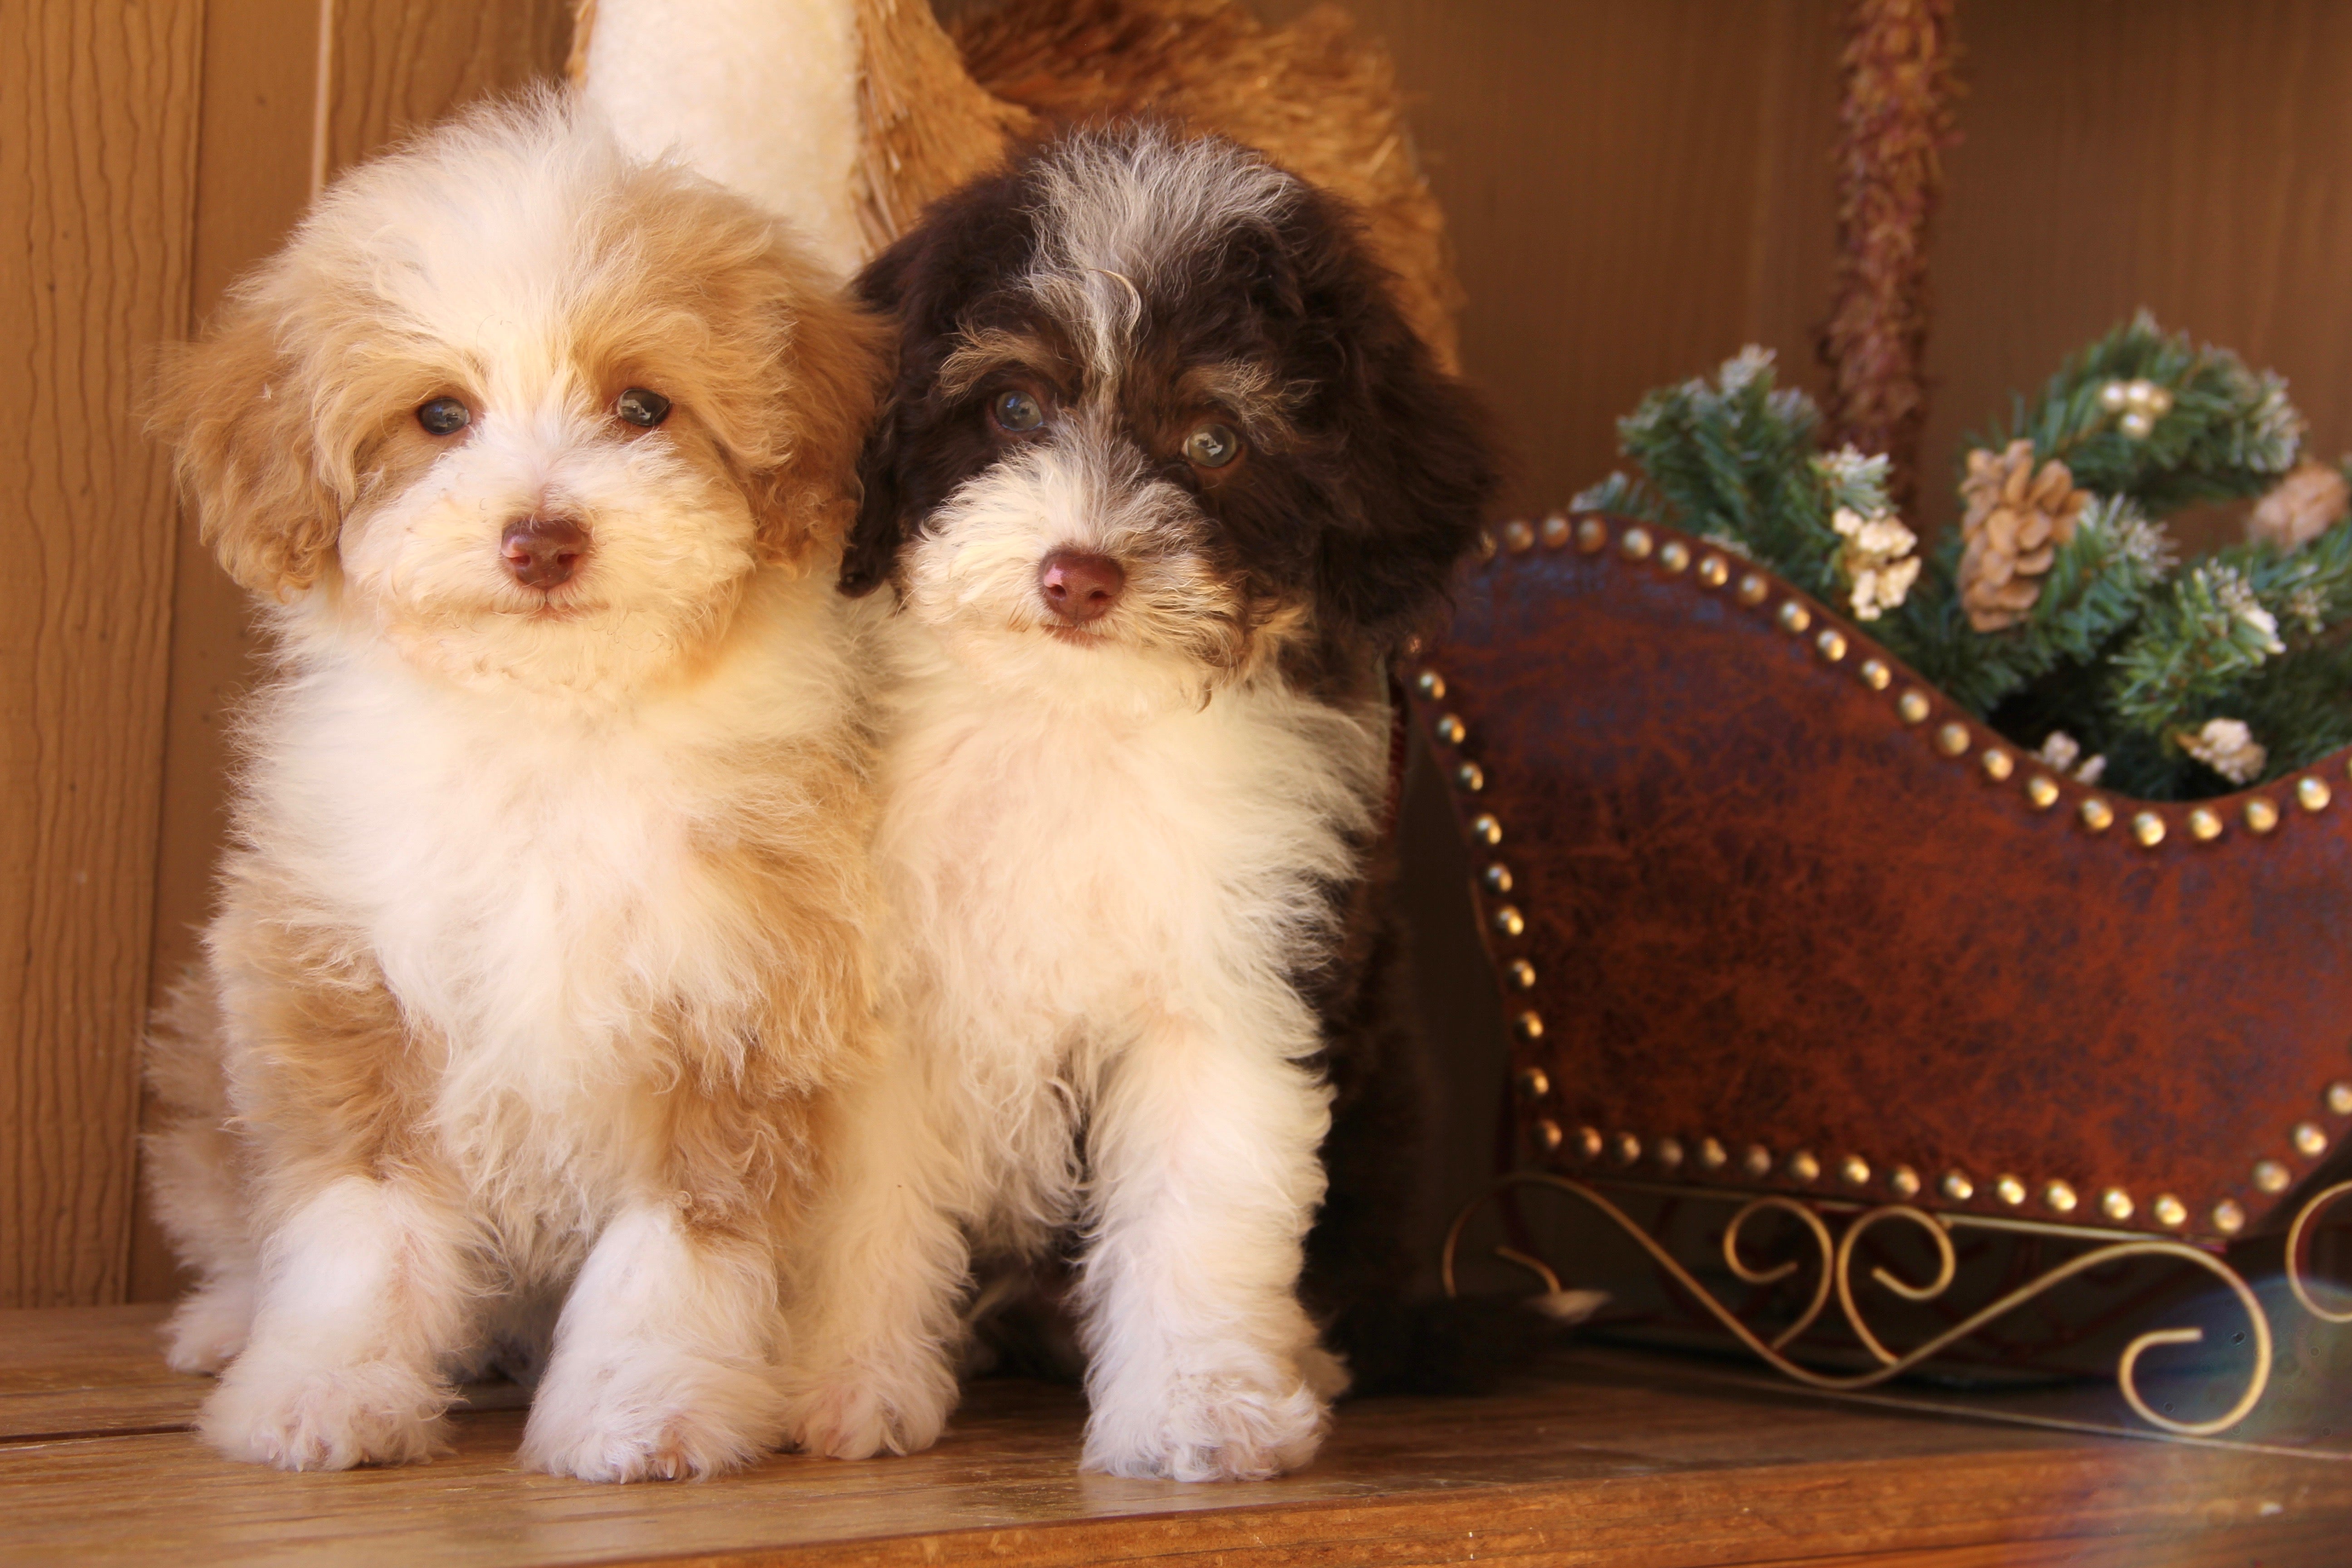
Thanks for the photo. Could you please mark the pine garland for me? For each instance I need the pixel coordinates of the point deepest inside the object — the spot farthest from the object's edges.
(2059, 613)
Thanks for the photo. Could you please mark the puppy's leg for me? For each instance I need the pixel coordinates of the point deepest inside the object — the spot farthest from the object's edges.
(664, 1365)
(194, 1171)
(1202, 1363)
(876, 1328)
(363, 1289)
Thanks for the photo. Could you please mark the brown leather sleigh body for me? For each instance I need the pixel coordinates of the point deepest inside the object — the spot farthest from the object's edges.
(1768, 914)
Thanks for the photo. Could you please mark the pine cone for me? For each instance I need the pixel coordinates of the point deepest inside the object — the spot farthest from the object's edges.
(2300, 507)
(2017, 519)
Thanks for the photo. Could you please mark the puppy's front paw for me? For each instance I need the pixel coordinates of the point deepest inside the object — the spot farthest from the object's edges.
(850, 1416)
(1225, 1426)
(300, 1414)
(210, 1327)
(648, 1414)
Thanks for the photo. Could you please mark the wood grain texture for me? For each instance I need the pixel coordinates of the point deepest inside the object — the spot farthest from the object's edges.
(1633, 193)
(1605, 1458)
(253, 178)
(400, 65)
(98, 116)
(2190, 157)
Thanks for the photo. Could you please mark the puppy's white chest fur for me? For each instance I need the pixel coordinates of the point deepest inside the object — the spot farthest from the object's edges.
(1074, 869)
(542, 882)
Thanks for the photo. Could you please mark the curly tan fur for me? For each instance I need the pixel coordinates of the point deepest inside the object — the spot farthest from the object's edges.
(542, 936)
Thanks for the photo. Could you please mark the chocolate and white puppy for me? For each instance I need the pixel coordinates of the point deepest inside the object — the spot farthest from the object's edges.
(1164, 484)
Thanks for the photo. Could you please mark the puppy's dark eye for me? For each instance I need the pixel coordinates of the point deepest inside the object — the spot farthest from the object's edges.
(1017, 412)
(641, 408)
(443, 416)
(1211, 447)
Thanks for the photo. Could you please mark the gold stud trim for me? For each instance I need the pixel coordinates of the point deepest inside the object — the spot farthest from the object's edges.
(1528, 1027)
(2009, 1190)
(1486, 829)
(1855, 1171)
(2116, 1204)
(1904, 1183)
(1668, 1153)
(2308, 1140)
(1556, 531)
(1952, 739)
(2262, 814)
(2312, 795)
(1592, 534)
(2042, 792)
(1534, 1082)
(2059, 1197)
(2228, 1217)
(2203, 825)
(1912, 707)
(1754, 590)
(1793, 618)
(1485, 545)
(1495, 879)
(1430, 685)
(2097, 815)
(1803, 1167)
(1757, 1160)
(2339, 1097)
(1636, 544)
(1830, 645)
(1588, 1142)
(1673, 556)
(1957, 1186)
(1625, 1149)
(2170, 1211)
(1546, 1135)
(1508, 921)
(1450, 728)
(1997, 763)
(1874, 673)
(2272, 1176)
(1518, 538)
(1522, 974)
(1712, 1156)
(2148, 829)
(1713, 572)
(1471, 777)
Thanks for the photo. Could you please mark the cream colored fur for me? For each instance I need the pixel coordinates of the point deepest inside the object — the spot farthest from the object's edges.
(541, 940)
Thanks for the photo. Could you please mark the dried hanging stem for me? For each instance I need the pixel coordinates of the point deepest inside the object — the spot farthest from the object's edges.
(1896, 122)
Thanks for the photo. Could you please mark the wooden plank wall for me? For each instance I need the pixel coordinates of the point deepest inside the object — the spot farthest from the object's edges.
(1636, 190)
(97, 135)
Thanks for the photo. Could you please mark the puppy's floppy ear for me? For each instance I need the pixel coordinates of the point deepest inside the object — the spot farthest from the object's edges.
(237, 412)
(832, 361)
(1416, 452)
(882, 523)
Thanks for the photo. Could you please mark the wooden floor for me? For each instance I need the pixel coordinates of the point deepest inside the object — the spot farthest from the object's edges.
(1607, 1459)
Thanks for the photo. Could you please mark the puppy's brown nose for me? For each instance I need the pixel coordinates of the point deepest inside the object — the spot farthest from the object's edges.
(543, 552)
(1080, 587)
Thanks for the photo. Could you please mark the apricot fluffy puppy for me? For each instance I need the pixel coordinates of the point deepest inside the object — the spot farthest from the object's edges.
(539, 941)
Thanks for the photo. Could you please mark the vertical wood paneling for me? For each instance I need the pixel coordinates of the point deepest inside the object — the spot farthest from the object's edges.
(253, 176)
(98, 118)
(402, 64)
(398, 64)
(1634, 191)
(2190, 157)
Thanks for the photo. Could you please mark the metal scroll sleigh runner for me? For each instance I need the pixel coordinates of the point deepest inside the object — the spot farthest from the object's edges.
(1835, 1260)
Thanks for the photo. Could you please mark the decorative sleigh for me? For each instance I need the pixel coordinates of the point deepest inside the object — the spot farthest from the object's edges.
(1774, 923)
